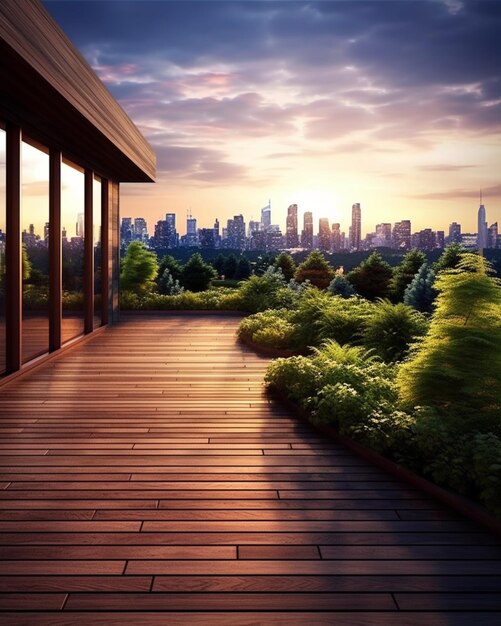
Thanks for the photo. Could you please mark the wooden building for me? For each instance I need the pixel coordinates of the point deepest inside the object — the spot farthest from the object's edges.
(65, 146)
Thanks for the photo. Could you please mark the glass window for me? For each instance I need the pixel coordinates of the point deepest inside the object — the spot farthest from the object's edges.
(35, 250)
(96, 220)
(2, 250)
(72, 227)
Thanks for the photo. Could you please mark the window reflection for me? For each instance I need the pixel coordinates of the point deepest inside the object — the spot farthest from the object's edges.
(35, 250)
(96, 200)
(72, 223)
(2, 250)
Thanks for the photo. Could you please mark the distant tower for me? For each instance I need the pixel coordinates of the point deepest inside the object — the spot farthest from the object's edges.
(292, 239)
(356, 226)
(482, 226)
(266, 217)
(307, 232)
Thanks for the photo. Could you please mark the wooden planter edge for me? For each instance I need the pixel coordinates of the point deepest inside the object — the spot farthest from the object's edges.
(459, 503)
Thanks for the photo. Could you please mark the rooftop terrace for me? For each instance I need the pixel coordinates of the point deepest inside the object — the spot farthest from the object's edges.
(146, 478)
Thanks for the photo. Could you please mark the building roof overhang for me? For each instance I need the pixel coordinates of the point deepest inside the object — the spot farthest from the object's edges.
(48, 88)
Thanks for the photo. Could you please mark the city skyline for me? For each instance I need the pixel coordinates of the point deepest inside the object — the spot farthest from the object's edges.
(305, 102)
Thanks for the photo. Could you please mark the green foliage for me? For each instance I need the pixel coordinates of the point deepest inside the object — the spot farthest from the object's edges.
(196, 275)
(341, 320)
(244, 268)
(263, 292)
(264, 321)
(286, 263)
(230, 266)
(340, 286)
(139, 268)
(456, 368)
(296, 376)
(26, 264)
(221, 299)
(218, 264)
(167, 285)
(404, 273)
(391, 329)
(421, 292)
(450, 257)
(372, 278)
(168, 262)
(315, 269)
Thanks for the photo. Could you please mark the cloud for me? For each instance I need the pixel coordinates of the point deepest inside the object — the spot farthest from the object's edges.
(443, 167)
(493, 191)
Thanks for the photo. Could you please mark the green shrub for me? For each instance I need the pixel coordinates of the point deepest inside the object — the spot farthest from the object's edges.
(271, 328)
(196, 275)
(391, 329)
(372, 278)
(263, 292)
(340, 286)
(456, 367)
(139, 268)
(297, 377)
(343, 320)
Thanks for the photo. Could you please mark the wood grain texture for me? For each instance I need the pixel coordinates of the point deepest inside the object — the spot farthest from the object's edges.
(177, 492)
(49, 88)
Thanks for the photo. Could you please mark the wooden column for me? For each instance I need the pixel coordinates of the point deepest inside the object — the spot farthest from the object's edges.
(115, 250)
(105, 250)
(55, 253)
(89, 253)
(13, 251)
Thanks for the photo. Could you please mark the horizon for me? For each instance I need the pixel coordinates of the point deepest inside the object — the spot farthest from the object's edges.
(392, 104)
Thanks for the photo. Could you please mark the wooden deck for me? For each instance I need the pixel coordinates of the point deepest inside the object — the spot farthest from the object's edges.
(146, 479)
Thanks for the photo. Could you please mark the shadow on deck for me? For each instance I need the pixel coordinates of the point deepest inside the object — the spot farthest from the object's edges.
(147, 479)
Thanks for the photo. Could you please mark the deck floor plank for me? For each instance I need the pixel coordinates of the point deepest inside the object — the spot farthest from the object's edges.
(147, 478)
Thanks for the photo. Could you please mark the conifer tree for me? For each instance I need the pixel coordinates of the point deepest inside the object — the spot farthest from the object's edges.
(139, 268)
(456, 368)
(421, 292)
(404, 273)
(371, 279)
(315, 269)
(286, 263)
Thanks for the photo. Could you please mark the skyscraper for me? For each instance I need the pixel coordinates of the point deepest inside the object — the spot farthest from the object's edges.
(266, 217)
(383, 236)
(324, 234)
(482, 230)
(291, 236)
(140, 229)
(336, 237)
(356, 226)
(455, 233)
(402, 235)
(492, 236)
(307, 232)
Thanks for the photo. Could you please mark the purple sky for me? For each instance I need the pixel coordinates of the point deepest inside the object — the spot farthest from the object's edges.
(393, 104)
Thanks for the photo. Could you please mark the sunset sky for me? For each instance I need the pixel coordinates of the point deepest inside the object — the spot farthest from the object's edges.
(393, 104)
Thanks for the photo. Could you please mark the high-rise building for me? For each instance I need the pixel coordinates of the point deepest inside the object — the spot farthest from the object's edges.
(291, 236)
(356, 226)
(440, 239)
(140, 229)
(236, 232)
(191, 238)
(166, 236)
(126, 230)
(254, 227)
(425, 239)
(402, 235)
(80, 226)
(324, 234)
(482, 226)
(492, 236)
(266, 217)
(46, 230)
(382, 238)
(336, 237)
(206, 238)
(455, 233)
(307, 232)
(217, 237)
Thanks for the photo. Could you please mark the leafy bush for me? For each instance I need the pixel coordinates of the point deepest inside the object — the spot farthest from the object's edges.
(167, 285)
(343, 320)
(271, 328)
(391, 329)
(221, 299)
(286, 263)
(263, 292)
(296, 376)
